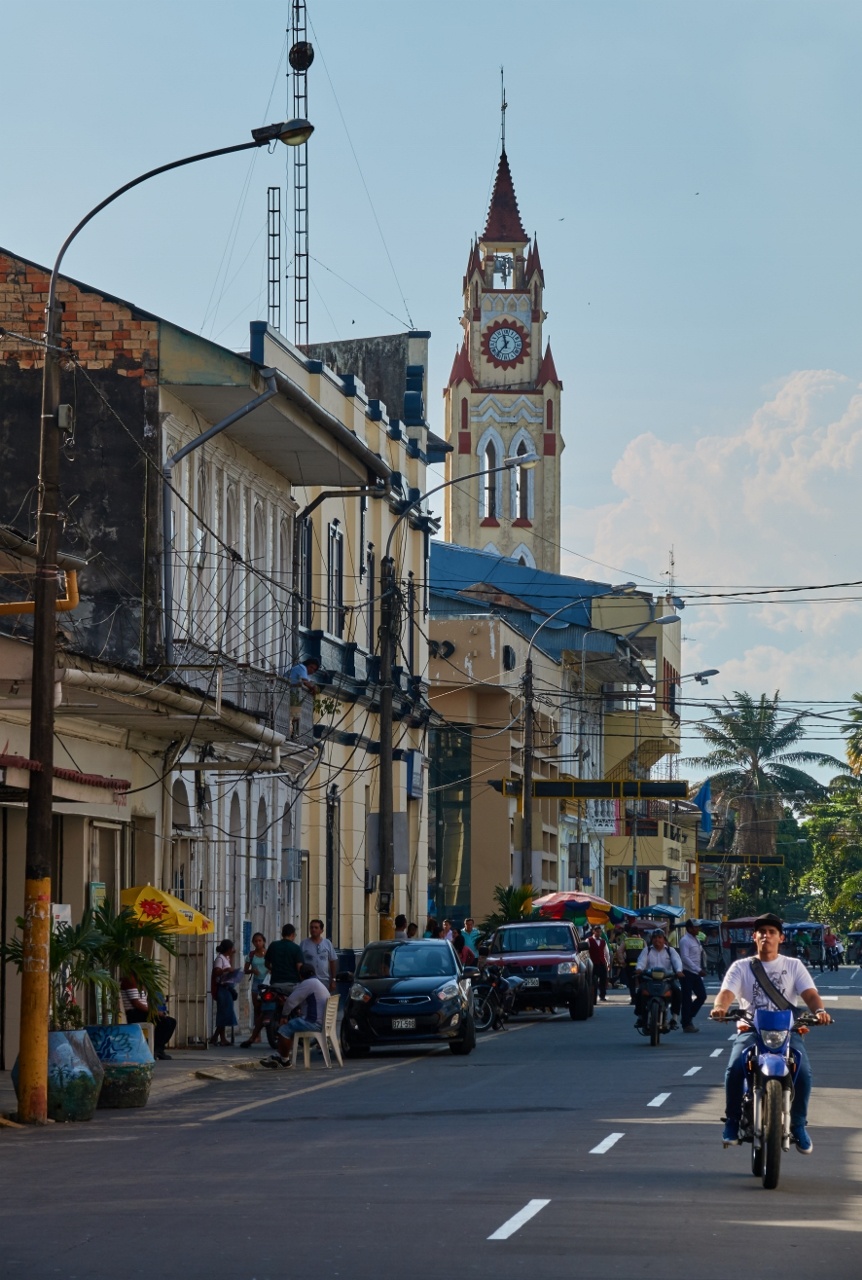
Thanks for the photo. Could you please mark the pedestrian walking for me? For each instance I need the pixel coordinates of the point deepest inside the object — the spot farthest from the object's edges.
(693, 958)
(601, 958)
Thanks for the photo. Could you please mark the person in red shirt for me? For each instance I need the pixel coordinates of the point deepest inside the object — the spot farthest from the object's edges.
(601, 958)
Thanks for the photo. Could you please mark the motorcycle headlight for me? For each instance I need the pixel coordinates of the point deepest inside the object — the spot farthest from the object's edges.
(449, 991)
(568, 966)
(358, 992)
(773, 1039)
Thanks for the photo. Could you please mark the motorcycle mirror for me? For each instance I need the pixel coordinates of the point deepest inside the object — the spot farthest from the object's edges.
(470, 971)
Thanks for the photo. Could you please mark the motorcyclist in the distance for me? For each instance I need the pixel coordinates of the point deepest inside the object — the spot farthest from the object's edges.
(790, 978)
(658, 955)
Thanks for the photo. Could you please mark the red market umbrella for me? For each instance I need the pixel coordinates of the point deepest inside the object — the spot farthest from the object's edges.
(580, 908)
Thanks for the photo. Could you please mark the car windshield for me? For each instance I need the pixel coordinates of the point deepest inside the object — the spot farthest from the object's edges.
(548, 937)
(407, 960)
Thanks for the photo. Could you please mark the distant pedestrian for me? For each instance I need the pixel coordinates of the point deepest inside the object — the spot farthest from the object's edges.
(255, 964)
(462, 951)
(136, 1007)
(412, 930)
(601, 958)
(445, 930)
(223, 991)
(693, 958)
(320, 954)
(400, 928)
(431, 928)
(311, 995)
(471, 934)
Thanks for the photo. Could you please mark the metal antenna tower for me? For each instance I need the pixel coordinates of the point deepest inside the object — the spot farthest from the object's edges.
(300, 58)
(273, 241)
(503, 105)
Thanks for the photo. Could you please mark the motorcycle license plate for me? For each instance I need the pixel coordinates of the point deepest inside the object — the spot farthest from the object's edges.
(530, 982)
(403, 1024)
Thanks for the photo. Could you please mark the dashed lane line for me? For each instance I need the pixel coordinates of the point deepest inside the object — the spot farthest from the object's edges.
(692, 1071)
(606, 1144)
(530, 1209)
(659, 1100)
(716, 1053)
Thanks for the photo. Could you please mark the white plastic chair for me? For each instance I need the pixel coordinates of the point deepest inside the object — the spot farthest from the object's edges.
(325, 1037)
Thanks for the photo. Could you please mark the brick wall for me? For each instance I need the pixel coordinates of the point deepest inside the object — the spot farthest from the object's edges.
(109, 475)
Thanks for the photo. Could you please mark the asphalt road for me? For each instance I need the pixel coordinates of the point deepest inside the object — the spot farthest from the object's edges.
(556, 1148)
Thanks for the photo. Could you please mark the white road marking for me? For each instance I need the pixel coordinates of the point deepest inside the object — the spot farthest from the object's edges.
(855, 975)
(129, 1139)
(692, 1071)
(515, 1223)
(658, 1100)
(833, 997)
(606, 1144)
(716, 1053)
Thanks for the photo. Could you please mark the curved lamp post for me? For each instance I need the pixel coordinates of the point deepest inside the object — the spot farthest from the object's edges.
(388, 640)
(33, 1064)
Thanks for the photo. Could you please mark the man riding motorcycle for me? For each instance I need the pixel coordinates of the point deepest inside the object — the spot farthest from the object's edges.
(748, 982)
(658, 955)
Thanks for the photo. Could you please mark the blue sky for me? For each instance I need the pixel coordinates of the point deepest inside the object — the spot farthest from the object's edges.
(691, 170)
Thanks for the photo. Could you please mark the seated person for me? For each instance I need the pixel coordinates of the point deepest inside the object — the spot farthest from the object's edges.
(658, 955)
(136, 1007)
(312, 995)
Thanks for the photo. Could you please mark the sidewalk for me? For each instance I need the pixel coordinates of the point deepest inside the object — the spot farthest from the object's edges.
(187, 1069)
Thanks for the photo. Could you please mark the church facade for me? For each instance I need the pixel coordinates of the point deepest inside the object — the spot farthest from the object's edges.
(503, 398)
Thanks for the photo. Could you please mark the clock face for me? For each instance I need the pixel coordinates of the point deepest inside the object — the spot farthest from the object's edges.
(505, 345)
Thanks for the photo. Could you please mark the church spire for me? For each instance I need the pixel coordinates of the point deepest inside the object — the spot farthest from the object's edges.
(504, 221)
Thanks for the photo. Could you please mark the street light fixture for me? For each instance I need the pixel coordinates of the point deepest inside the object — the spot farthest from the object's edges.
(35, 979)
(388, 638)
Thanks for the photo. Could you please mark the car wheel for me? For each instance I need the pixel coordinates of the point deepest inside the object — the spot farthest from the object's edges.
(467, 1043)
(580, 1007)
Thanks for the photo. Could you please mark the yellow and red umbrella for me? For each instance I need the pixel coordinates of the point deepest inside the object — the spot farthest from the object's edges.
(581, 908)
(159, 907)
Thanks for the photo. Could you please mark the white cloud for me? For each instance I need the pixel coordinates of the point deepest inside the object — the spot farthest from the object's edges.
(775, 502)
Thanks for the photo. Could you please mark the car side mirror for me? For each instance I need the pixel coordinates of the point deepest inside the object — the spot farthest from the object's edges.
(583, 946)
(470, 971)
(344, 976)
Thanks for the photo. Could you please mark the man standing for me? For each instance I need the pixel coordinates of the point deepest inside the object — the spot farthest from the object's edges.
(311, 995)
(400, 928)
(283, 961)
(600, 956)
(471, 934)
(320, 954)
(756, 981)
(693, 968)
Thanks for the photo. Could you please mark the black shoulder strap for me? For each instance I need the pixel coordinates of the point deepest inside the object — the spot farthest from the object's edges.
(764, 982)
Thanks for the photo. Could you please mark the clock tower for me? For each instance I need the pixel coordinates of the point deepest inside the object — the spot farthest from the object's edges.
(503, 398)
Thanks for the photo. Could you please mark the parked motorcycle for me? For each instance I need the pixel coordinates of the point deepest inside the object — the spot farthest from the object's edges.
(493, 997)
(655, 987)
(771, 1063)
(271, 1005)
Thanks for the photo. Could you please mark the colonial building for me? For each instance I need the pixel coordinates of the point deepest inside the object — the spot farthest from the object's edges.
(203, 551)
(503, 397)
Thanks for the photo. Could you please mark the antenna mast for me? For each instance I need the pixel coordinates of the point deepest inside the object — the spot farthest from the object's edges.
(503, 105)
(300, 58)
(273, 240)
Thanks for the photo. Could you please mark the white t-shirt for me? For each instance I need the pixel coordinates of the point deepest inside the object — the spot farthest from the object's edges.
(787, 974)
(652, 958)
(318, 955)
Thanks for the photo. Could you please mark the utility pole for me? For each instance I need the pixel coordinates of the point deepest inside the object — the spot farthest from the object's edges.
(526, 875)
(634, 898)
(36, 974)
(388, 637)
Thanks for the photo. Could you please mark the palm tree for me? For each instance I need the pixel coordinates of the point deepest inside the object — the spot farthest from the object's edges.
(752, 767)
(853, 730)
(514, 902)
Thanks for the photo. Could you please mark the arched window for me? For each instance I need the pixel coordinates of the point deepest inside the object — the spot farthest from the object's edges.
(232, 578)
(490, 451)
(521, 492)
(489, 482)
(524, 556)
(259, 590)
(262, 843)
(549, 415)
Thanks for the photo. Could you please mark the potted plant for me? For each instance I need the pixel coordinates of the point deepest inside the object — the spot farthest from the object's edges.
(121, 1047)
(75, 1074)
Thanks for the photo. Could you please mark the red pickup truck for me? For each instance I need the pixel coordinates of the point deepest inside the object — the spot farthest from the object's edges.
(553, 963)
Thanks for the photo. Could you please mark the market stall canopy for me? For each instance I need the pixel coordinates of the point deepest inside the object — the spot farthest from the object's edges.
(579, 908)
(662, 909)
(157, 906)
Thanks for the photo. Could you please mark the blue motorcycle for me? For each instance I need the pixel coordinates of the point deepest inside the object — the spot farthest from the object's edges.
(770, 1067)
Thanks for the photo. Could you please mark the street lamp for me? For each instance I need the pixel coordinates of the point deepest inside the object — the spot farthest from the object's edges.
(35, 979)
(388, 638)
